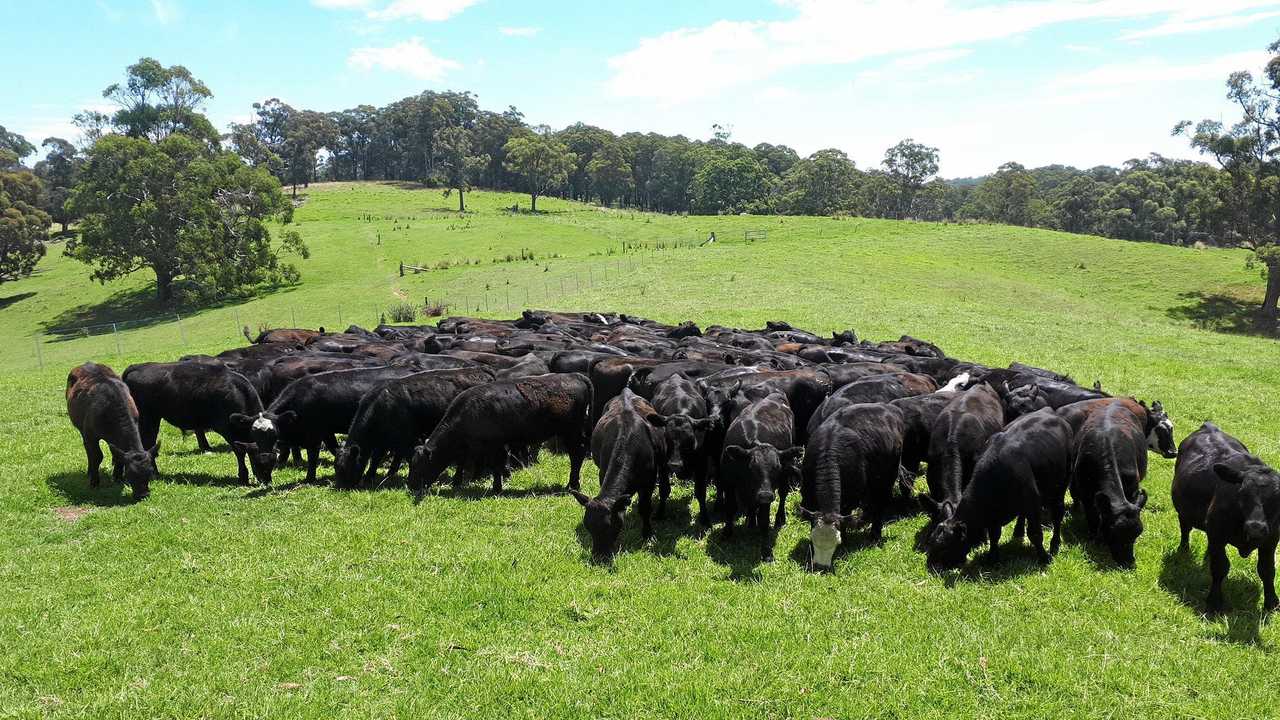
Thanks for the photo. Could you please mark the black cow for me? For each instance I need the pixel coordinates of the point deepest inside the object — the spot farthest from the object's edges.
(850, 461)
(199, 397)
(1023, 469)
(919, 412)
(880, 388)
(1221, 488)
(527, 366)
(484, 424)
(101, 408)
(628, 446)
(805, 388)
(1110, 463)
(397, 415)
(956, 439)
(687, 427)
(1155, 423)
(757, 466)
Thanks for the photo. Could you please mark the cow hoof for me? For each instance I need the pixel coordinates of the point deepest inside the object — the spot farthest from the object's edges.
(1270, 605)
(767, 558)
(1044, 557)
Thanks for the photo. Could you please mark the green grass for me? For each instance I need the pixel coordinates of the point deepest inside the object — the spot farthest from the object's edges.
(215, 600)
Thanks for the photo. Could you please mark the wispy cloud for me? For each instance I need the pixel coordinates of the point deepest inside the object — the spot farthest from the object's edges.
(1119, 79)
(112, 14)
(1176, 26)
(934, 57)
(165, 11)
(519, 31)
(1081, 48)
(734, 54)
(427, 10)
(411, 57)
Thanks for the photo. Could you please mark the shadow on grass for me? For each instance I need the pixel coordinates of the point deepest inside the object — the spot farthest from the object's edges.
(667, 531)
(1017, 559)
(1188, 581)
(201, 479)
(1225, 314)
(852, 542)
(74, 488)
(1075, 531)
(11, 299)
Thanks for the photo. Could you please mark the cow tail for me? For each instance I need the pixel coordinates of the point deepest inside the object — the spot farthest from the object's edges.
(955, 461)
(587, 418)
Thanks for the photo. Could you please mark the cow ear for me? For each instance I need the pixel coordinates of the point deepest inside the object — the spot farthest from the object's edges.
(805, 514)
(580, 496)
(1141, 499)
(657, 420)
(243, 447)
(239, 419)
(735, 452)
(792, 454)
(848, 522)
(115, 450)
(620, 504)
(1226, 473)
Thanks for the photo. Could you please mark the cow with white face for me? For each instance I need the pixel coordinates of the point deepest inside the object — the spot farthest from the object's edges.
(850, 462)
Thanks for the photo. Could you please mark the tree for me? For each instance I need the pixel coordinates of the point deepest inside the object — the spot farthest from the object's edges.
(542, 161)
(910, 165)
(1250, 153)
(822, 184)
(306, 133)
(23, 225)
(458, 163)
(58, 174)
(726, 184)
(610, 173)
(1005, 197)
(157, 101)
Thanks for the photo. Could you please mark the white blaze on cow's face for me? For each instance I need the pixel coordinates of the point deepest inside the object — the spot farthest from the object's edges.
(825, 538)
(263, 424)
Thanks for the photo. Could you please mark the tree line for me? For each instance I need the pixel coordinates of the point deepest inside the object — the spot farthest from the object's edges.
(445, 140)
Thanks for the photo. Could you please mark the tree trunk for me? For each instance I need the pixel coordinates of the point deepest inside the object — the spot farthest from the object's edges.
(461, 207)
(295, 191)
(533, 202)
(1273, 290)
(164, 286)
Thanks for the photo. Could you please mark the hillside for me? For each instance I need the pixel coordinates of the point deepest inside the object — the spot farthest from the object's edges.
(217, 600)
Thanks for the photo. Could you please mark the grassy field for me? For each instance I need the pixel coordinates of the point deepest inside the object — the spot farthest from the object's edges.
(215, 600)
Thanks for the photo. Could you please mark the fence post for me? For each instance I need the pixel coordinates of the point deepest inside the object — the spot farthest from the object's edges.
(339, 316)
(508, 298)
(116, 332)
(39, 353)
(239, 327)
(293, 318)
(181, 332)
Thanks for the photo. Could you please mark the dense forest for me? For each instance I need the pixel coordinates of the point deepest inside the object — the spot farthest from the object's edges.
(446, 140)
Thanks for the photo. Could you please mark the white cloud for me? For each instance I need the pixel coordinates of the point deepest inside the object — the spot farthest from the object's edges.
(934, 57)
(1082, 48)
(1154, 72)
(340, 4)
(1179, 26)
(112, 14)
(519, 31)
(165, 11)
(689, 63)
(429, 10)
(410, 57)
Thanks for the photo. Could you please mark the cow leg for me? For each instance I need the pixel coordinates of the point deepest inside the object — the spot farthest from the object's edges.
(1267, 573)
(396, 460)
(664, 492)
(646, 511)
(117, 467)
(728, 508)
(1058, 510)
(149, 429)
(297, 455)
(1184, 525)
(766, 536)
(1020, 529)
(93, 453)
(499, 477)
(1035, 532)
(313, 459)
(376, 456)
(1218, 568)
(700, 490)
(242, 470)
(577, 453)
(202, 442)
(780, 519)
(993, 536)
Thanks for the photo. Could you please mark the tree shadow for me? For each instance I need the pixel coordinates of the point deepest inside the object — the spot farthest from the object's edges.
(11, 299)
(1224, 313)
(74, 488)
(201, 479)
(1188, 581)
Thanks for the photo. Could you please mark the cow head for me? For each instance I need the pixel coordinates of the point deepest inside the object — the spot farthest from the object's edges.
(346, 464)
(139, 468)
(1160, 431)
(1257, 499)
(264, 428)
(1022, 400)
(1121, 524)
(824, 536)
(719, 398)
(261, 462)
(603, 519)
(948, 545)
(768, 470)
(686, 437)
(937, 511)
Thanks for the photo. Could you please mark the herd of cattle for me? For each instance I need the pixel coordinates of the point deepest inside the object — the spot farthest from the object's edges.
(752, 413)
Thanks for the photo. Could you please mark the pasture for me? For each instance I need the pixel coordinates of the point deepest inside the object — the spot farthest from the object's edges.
(214, 599)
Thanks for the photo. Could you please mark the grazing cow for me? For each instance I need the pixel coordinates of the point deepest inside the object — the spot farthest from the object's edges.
(687, 426)
(610, 375)
(881, 388)
(395, 416)
(758, 464)
(956, 439)
(101, 408)
(628, 446)
(1221, 488)
(312, 410)
(805, 388)
(1156, 424)
(1110, 463)
(198, 397)
(527, 366)
(919, 412)
(485, 423)
(292, 336)
(1023, 469)
(851, 461)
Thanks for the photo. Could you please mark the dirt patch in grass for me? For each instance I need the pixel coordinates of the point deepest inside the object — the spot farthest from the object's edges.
(70, 514)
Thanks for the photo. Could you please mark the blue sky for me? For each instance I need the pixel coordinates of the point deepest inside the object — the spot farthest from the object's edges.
(1081, 82)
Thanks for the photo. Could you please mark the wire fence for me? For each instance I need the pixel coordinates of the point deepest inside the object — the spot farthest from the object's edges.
(494, 291)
